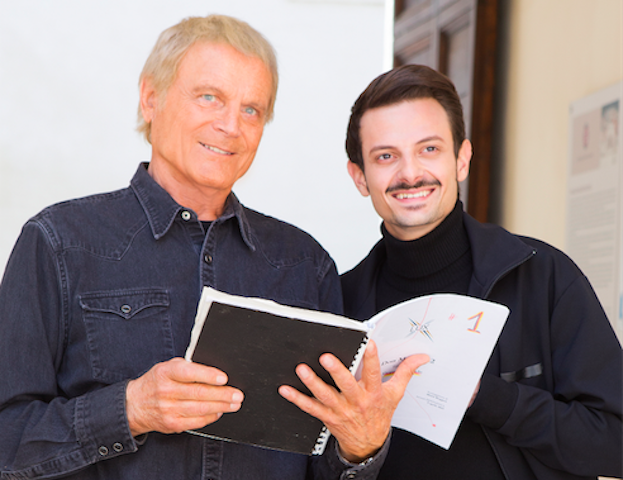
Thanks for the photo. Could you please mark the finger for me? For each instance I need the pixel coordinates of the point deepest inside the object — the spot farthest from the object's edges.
(168, 414)
(179, 380)
(305, 403)
(180, 424)
(343, 378)
(183, 371)
(475, 394)
(189, 416)
(325, 394)
(192, 409)
(208, 393)
(194, 423)
(405, 371)
(371, 369)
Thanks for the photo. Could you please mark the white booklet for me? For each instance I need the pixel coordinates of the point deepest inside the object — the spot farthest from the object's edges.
(459, 334)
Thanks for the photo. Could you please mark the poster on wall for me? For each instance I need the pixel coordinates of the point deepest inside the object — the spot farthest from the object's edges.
(595, 195)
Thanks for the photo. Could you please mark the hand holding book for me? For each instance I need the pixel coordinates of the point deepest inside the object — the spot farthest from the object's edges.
(261, 344)
(358, 415)
(177, 395)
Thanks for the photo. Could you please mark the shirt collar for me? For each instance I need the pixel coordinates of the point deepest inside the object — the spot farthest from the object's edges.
(161, 210)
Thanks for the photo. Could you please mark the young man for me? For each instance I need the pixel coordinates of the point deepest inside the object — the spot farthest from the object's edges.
(99, 295)
(549, 403)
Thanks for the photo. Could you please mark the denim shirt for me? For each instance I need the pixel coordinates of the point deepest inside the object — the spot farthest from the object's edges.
(98, 290)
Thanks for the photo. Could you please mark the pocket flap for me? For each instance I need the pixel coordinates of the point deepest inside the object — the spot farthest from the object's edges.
(124, 303)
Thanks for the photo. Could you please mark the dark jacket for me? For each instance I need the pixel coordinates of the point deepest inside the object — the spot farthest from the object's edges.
(558, 357)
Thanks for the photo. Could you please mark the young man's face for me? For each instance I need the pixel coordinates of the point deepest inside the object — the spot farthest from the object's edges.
(410, 170)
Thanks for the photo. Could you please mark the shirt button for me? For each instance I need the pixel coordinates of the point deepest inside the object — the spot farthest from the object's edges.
(117, 447)
(208, 258)
(186, 215)
(351, 475)
(126, 308)
(103, 451)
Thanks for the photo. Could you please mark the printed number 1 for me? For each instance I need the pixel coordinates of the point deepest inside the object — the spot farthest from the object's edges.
(478, 318)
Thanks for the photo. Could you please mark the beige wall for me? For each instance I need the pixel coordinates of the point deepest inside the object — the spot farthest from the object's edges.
(556, 52)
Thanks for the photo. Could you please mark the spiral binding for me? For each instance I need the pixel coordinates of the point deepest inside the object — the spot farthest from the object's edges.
(357, 358)
(321, 441)
(323, 437)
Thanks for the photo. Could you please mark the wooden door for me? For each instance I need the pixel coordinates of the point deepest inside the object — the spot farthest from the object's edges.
(457, 37)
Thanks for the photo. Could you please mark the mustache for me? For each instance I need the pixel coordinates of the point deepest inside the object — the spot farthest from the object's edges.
(419, 184)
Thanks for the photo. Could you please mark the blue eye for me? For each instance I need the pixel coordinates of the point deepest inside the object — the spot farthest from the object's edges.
(209, 97)
(250, 111)
(385, 156)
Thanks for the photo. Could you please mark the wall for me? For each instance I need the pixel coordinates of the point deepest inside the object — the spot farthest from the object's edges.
(68, 97)
(552, 53)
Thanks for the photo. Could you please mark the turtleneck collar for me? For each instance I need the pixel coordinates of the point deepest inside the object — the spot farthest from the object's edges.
(431, 253)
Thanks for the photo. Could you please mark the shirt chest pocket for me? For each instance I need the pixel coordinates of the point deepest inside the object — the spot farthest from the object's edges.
(127, 332)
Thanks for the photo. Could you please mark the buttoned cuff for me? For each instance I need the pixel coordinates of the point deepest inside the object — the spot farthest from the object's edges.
(102, 425)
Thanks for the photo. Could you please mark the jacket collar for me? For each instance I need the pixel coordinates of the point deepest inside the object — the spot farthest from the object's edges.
(161, 210)
(495, 252)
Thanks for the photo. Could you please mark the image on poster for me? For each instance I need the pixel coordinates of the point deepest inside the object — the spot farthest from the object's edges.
(595, 198)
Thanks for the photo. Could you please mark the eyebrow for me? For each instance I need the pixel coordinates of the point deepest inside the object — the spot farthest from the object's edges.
(380, 147)
(200, 88)
(430, 139)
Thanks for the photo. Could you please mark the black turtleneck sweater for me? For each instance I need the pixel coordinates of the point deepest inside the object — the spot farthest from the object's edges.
(439, 262)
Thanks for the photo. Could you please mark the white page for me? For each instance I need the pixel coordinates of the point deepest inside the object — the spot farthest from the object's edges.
(459, 334)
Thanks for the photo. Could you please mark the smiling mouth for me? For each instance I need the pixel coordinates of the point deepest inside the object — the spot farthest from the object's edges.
(401, 196)
(404, 191)
(216, 149)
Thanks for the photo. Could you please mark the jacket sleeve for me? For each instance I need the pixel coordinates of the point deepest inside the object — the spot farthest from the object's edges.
(331, 466)
(574, 425)
(47, 430)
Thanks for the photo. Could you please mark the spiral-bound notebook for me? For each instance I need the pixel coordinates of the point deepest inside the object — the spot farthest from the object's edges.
(259, 343)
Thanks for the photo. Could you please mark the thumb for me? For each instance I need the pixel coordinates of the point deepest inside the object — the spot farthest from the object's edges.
(404, 372)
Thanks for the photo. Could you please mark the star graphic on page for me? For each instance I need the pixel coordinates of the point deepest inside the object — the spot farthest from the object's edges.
(422, 328)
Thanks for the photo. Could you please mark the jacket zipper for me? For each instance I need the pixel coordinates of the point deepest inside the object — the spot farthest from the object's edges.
(486, 295)
(508, 270)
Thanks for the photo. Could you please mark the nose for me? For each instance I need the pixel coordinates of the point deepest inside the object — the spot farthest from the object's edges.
(228, 121)
(410, 169)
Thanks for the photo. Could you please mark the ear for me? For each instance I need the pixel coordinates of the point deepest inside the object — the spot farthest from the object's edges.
(358, 177)
(462, 161)
(148, 100)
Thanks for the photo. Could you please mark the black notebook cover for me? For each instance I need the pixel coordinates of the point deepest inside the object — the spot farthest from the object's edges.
(259, 352)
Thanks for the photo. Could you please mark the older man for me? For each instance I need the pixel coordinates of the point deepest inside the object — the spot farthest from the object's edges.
(99, 295)
(549, 403)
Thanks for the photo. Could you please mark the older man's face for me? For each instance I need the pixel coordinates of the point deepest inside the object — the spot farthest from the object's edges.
(206, 131)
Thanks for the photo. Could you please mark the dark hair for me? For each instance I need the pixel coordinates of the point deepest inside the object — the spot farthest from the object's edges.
(408, 82)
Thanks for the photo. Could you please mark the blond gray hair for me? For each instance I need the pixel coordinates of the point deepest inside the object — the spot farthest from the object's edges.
(164, 60)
